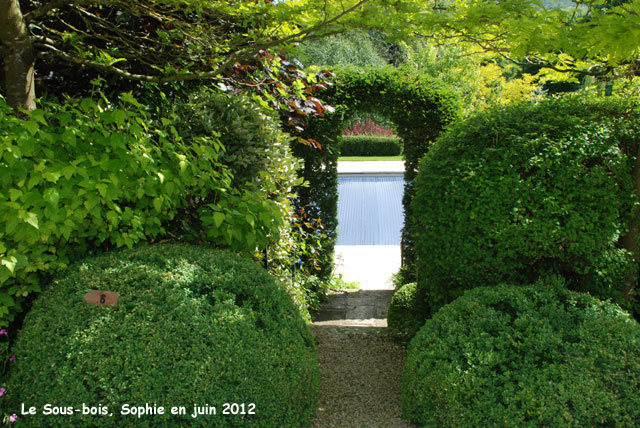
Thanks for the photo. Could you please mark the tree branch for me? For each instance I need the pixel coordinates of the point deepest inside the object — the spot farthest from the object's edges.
(54, 4)
(128, 75)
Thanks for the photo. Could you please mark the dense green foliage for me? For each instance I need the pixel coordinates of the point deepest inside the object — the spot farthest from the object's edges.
(525, 357)
(244, 130)
(317, 202)
(405, 315)
(191, 326)
(369, 145)
(260, 158)
(530, 189)
(92, 173)
(418, 108)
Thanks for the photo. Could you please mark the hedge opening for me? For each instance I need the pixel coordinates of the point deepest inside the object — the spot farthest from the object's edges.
(419, 109)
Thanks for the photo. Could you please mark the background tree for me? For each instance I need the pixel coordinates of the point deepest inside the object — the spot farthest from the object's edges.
(599, 38)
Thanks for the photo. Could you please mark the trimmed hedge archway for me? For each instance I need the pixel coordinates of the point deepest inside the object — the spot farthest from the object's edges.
(418, 107)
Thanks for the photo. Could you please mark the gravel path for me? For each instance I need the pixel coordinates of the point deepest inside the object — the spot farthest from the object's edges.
(361, 371)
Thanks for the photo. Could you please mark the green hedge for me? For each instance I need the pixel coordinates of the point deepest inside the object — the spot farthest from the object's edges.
(405, 315)
(370, 145)
(192, 325)
(510, 194)
(419, 108)
(525, 357)
(87, 173)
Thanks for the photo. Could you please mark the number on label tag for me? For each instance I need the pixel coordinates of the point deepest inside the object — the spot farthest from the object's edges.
(98, 298)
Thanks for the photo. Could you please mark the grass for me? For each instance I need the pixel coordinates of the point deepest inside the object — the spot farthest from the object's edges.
(371, 158)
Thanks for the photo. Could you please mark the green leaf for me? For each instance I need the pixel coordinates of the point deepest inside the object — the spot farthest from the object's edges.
(52, 196)
(112, 216)
(38, 116)
(69, 138)
(32, 219)
(218, 218)
(31, 126)
(102, 189)
(119, 116)
(128, 97)
(14, 194)
(10, 263)
(6, 299)
(52, 176)
(157, 203)
(265, 218)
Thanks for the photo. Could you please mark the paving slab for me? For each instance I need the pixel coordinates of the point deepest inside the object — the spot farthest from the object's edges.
(355, 308)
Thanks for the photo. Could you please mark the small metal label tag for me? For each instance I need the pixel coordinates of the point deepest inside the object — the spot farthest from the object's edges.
(98, 298)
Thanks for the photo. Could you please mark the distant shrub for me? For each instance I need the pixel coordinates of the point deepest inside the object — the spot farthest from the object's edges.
(514, 193)
(405, 315)
(370, 145)
(524, 357)
(192, 326)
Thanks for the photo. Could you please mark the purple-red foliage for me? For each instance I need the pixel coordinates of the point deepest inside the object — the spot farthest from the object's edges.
(368, 127)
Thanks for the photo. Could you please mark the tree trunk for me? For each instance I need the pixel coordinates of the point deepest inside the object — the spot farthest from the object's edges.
(632, 239)
(18, 56)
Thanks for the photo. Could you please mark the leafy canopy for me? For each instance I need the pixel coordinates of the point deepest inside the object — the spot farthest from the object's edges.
(589, 37)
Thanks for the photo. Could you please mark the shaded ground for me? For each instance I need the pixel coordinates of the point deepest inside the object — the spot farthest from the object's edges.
(361, 366)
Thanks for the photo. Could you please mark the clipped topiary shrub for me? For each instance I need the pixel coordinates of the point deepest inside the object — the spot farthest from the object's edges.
(525, 357)
(370, 145)
(519, 191)
(405, 315)
(192, 326)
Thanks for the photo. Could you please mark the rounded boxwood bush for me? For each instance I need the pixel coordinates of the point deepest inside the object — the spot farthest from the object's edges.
(405, 316)
(525, 356)
(192, 326)
(533, 188)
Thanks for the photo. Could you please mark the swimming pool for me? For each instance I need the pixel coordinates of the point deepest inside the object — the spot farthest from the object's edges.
(370, 209)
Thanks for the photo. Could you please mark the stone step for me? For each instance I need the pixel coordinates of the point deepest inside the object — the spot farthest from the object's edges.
(355, 308)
